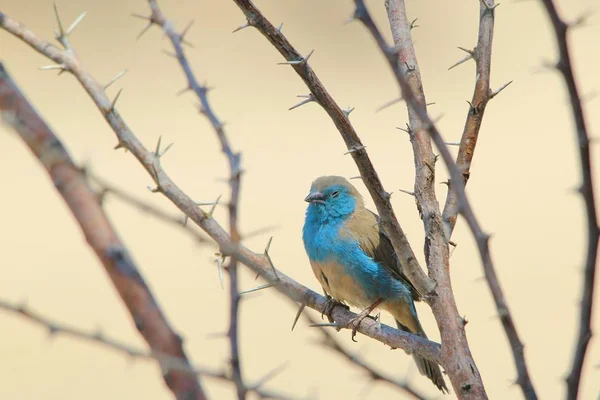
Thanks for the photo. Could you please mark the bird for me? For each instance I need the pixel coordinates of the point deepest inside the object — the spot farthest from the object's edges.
(355, 263)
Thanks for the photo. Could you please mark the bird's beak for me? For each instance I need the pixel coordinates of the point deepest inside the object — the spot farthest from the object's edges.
(315, 197)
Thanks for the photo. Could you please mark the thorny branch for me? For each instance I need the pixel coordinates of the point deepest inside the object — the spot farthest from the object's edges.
(99, 233)
(482, 239)
(259, 263)
(234, 159)
(356, 149)
(565, 67)
(482, 54)
(167, 361)
(330, 342)
(459, 363)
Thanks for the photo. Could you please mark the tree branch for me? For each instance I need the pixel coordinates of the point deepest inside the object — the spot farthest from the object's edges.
(458, 361)
(99, 233)
(565, 67)
(234, 159)
(319, 94)
(482, 54)
(259, 263)
(167, 361)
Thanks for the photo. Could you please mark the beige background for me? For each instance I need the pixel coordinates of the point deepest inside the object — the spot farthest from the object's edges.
(524, 173)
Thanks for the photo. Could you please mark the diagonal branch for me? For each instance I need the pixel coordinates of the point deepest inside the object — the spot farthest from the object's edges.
(587, 191)
(381, 198)
(482, 93)
(234, 159)
(166, 360)
(459, 363)
(99, 233)
(258, 262)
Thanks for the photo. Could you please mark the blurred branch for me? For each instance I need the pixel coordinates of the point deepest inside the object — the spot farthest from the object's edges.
(356, 149)
(482, 54)
(259, 263)
(565, 67)
(177, 39)
(107, 189)
(482, 240)
(167, 362)
(330, 342)
(99, 233)
(458, 360)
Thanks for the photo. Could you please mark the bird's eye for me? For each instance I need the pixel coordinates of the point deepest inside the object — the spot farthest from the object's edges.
(335, 194)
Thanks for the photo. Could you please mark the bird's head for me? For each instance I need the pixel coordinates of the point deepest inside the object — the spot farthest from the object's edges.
(331, 198)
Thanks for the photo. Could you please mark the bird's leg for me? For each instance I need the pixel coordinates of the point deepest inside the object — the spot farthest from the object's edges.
(355, 322)
(330, 305)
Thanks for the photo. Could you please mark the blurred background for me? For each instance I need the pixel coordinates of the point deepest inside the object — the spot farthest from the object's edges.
(522, 186)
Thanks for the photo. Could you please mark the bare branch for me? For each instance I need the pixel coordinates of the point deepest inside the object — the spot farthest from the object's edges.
(258, 262)
(369, 176)
(587, 192)
(99, 233)
(167, 362)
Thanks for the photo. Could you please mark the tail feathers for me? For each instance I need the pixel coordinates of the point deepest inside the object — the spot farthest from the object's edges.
(427, 368)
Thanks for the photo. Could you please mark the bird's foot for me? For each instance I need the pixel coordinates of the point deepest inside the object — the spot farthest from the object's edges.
(329, 306)
(354, 323)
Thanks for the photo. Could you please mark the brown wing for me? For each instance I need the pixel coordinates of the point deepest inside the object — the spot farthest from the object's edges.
(383, 252)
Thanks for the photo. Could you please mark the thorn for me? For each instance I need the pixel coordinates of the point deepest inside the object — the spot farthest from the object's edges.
(266, 254)
(452, 243)
(114, 102)
(279, 27)
(462, 61)
(270, 375)
(144, 30)
(182, 91)
(170, 54)
(239, 28)
(326, 324)
(407, 130)
(118, 146)
(429, 104)
(356, 177)
(157, 153)
(113, 80)
(471, 52)
(309, 98)
(447, 183)
(140, 16)
(75, 23)
(302, 307)
(389, 103)
(185, 220)
(256, 289)
(61, 67)
(220, 259)
(354, 149)
(407, 192)
(409, 68)
(303, 60)
(348, 111)
(60, 26)
(452, 144)
(412, 24)
(501, 88)
(214, 205)
(185, 31)
(487, 7)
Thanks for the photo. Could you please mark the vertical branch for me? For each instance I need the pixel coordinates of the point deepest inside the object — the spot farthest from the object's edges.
(100, 235)
(458, 360)
(234, 159)
(586, 190)
(482, 54)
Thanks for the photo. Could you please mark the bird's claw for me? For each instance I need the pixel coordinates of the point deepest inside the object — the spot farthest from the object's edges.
(354, 323)
(329, 306)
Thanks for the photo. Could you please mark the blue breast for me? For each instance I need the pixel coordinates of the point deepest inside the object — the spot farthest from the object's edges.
(323, 243)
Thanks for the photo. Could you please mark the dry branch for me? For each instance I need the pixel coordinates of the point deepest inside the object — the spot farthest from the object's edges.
(565, 67)
(167, 361)
(99, 233)
(356, 149)
(259, 263)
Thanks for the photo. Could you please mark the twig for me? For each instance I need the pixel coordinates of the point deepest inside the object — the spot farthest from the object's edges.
(234, 159)
(459, 364)
(108, 189)
(330, 342)
(99, 233)
(482, 93)
(587, 192)
(381, 198)
(258, 262)
(167, 362)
